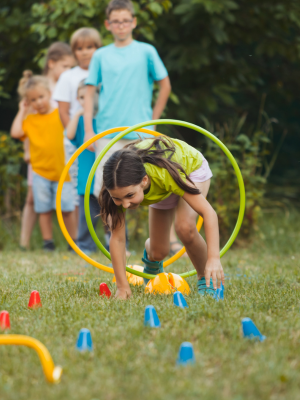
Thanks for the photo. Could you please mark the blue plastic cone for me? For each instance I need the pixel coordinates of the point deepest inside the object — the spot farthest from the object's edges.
(151, 319)
(219, 295)
(84, 340)
(186, 354)
(250, 330)
(179, 300)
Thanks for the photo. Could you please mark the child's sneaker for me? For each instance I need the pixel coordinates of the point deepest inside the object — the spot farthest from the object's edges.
(48, 245)
(151, 267)
(203, 289)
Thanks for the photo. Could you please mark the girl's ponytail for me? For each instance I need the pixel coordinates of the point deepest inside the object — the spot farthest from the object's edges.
(27, 74)
(161, 157)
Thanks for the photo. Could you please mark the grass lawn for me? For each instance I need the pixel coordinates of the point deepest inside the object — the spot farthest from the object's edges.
(132, 362)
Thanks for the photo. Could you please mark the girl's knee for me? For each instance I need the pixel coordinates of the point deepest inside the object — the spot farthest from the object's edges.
(186, 231)
(159, 254)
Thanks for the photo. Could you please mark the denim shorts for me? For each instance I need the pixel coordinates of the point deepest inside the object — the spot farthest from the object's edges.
(44, 195)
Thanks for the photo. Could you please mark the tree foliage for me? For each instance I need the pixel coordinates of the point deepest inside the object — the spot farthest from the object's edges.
(222, 55)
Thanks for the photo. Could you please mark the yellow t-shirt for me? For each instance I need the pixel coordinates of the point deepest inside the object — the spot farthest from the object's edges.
(162, 183)
(45, 134)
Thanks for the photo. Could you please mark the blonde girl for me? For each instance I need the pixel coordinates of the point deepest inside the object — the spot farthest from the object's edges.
(59, 58)
(44, 130)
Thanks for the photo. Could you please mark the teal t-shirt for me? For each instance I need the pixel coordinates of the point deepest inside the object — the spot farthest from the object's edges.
(162, 183)
(86, 159)
(126, 75)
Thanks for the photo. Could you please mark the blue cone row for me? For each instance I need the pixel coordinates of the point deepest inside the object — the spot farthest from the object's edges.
(179, 300)
(186, 354)
(250, 330)
(84, 340)
(151, 319)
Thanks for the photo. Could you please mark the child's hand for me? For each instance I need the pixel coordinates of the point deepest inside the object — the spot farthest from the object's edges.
(80, 112)
(23, 106)
(26, 157)
(123, 294)
(87, 136)
(214, 270)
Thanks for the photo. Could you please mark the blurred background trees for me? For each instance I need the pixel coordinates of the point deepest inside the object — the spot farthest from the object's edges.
(234, 68)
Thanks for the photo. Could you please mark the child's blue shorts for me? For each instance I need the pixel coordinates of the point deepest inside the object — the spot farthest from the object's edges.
(44, 195)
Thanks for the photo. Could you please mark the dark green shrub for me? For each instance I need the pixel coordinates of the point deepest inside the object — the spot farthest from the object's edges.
(255, 154)
(12, 183)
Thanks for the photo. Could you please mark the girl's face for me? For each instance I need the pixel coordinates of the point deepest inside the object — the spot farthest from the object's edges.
(84, 52)
(81, 96)
(56, 68)
(130, 196)
(39, 99)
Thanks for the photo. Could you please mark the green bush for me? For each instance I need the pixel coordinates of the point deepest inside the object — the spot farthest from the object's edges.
(255, 154)
(12, 183)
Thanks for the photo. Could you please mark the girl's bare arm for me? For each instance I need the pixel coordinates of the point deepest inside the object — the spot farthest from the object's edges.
(210, 219)
(117, 247)
(16, 130)
(72, 126)
(64, 108)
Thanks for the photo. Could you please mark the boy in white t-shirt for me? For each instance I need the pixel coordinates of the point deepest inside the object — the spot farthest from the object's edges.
(84, 42)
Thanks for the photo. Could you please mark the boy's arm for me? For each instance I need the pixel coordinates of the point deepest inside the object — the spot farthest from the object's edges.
(163, 95)
(72, 126)
(16, 130)
(88, 114)
(64, 108)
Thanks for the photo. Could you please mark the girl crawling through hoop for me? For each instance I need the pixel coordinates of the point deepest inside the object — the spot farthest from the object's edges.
(172, 178)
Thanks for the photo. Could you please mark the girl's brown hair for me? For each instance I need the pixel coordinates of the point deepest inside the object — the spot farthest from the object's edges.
(126, 167)
(57, 51)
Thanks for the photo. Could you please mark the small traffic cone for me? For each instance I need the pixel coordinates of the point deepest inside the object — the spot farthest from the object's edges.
(179, 300)
(219, 295)
(84, 340)
(251, 331)
(4, 320)
(34, 301)
(186, 354)
(104, 290)
(151, 318)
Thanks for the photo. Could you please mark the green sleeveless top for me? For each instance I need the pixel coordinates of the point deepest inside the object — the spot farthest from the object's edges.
(162, 183)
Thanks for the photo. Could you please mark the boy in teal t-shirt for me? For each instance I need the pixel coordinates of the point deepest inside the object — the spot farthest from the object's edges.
(126, 71)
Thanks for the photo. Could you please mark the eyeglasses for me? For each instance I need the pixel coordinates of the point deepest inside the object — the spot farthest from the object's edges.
(116, 23)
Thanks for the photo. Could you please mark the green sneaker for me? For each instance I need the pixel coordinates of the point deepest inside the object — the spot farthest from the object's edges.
(151, 267)
(203, 289)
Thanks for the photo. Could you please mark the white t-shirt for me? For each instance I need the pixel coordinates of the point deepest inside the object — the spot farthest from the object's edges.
(66, 87)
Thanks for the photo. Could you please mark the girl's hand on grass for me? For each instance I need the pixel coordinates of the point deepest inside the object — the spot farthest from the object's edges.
(214, 270)
(123, 294)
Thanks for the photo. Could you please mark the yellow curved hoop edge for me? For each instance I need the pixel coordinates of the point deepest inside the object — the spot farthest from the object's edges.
(52, 372)
(58, 200)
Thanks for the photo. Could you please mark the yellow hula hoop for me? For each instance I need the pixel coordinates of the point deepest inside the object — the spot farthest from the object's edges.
(59, 212)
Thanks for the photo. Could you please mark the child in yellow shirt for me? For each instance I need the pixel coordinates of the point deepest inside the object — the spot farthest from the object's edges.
(45, 133)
